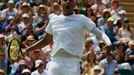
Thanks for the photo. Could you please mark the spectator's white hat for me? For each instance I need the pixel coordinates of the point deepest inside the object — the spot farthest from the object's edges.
(25, 71)
(11, 1)
(122, 12)
(97, 67)
(131, 42)
(105, 10)
(22, 62)
(38, 62)
(25, 15)
(25, 4)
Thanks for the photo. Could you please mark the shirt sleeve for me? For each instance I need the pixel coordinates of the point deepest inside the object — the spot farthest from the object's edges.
(49, 28)
(88, 23)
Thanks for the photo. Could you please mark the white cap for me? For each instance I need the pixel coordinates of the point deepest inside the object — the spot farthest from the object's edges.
(38, 62)
(26, 70)
(105, 10)
(25, 15)
(10, 1)
(97, 67)
(22, 62)
(25, 4)
(122, 12)
(131, 42)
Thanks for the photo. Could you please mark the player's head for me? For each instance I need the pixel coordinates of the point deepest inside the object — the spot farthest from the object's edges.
(68, 6)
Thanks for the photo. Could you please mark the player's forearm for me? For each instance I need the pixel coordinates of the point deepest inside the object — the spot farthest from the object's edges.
(40, 44)
(131, 57)
(101, 35)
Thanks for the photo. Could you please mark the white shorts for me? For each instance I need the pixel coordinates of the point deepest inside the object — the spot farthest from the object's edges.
(64, 66)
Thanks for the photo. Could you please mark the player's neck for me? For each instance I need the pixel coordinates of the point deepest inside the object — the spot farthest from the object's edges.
(67, 13)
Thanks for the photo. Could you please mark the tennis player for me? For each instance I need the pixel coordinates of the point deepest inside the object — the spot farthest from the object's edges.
(66, 33)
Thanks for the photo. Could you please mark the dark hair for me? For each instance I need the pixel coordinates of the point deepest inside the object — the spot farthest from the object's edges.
(106, 13)
(89, 9)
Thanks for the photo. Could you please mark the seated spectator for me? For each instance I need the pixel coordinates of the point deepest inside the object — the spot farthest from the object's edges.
(123, 15)
(39, 64)
(125, 31)
(109, 29)
(115, 8)
(9, 11)
(2, 44)
(3, 62)
(103, 20)
(130, 53)
(108, 64)
(13, 34)
(22, 66)
(98, 8)
(40, 21)
(119, 52)
(55, 9)
(91, 62)
(102, 53)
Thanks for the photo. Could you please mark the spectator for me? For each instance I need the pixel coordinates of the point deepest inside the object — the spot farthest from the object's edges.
(22, 66)
(39, 64)
(108, 64)
(91, 62)
(55, 9)
(119, 53)
(109, 29)
(130, 53)
(103, 20)
(125, 31)
(10, 11)
(102, 53)
(98, 8)
(18, 4)
(2, 44)
(3, 62)
(115, 8)
(123, 15)
(40, 21)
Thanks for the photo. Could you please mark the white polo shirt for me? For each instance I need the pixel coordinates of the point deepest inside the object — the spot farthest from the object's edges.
(68, 32)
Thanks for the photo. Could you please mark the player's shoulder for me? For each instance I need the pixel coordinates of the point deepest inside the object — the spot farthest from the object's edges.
(80, 15)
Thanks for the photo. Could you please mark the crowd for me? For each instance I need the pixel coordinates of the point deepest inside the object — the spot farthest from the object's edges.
(26, 21)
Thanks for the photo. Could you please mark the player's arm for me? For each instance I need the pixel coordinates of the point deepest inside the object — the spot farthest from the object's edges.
(40, 44)
(101, 35)
(104, 37)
